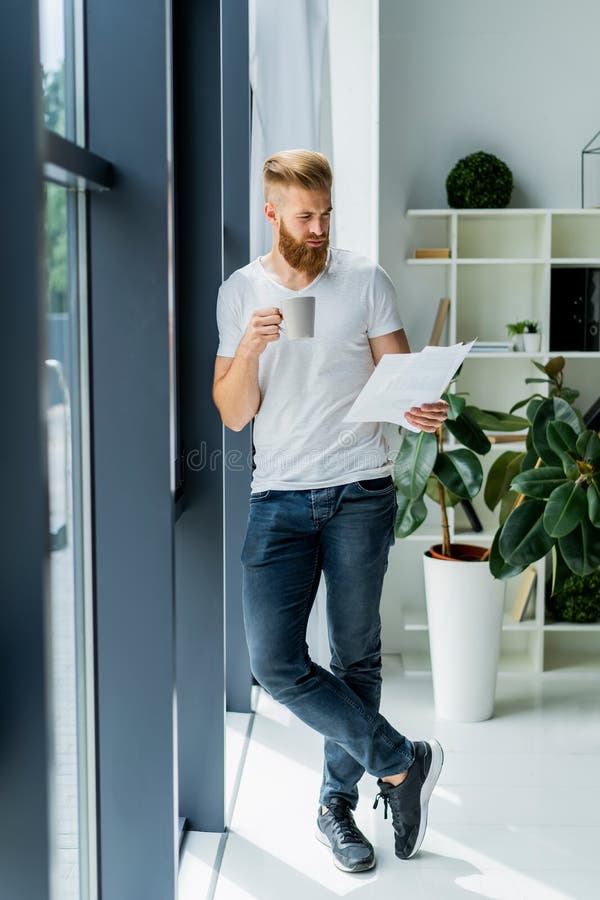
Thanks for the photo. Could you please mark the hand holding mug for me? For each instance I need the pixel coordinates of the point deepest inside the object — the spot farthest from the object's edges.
(262, 330)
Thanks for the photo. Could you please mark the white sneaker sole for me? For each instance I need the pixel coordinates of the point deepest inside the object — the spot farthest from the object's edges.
(361, 867)
(437, 761)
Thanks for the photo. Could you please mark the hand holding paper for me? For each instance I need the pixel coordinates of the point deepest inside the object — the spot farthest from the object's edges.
(403, 380)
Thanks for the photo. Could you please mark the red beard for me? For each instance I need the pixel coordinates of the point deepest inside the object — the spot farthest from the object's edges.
(299, 255)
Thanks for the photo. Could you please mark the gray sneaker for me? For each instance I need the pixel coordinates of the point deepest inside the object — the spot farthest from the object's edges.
(337, 829)
(409, 800)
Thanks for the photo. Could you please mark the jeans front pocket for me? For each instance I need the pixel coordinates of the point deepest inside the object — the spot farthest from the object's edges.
(376, 485)
(260, 495)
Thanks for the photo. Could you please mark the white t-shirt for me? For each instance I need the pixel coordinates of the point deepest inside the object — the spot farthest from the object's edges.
(308, 386)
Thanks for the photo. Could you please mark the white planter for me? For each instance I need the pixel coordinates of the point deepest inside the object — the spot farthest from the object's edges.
(531, 342)
(518, 342)
(465, 607)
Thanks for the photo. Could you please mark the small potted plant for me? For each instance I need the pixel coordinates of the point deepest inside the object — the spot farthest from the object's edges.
(515, 331)
(531, 337)
(465, 601)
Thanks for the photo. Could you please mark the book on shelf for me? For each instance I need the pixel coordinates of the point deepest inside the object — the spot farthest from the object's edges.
(507, 437)
(492, 347)
(522, 608)
(440, 321)
(432, 253)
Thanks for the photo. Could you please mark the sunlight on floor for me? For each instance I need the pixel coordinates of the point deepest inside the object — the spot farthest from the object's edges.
(488, 882)
(505, 822)
(448, 796)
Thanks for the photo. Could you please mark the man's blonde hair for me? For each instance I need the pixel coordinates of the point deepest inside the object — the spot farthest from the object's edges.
(307, 169)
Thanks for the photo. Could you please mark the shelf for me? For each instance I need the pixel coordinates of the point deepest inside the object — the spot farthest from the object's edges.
(521, 354)
(500, 271)
(574, 239)
(505, 211)
(487, 261)
(484, 213)
(504, 354)
(516, 663)
(572, 627)
(501, 261)
(509, 624)
(490, 296)
(429, 213)
(565, 650)
(416, 620)
(575, 354)
(570, 663)
(428, 262)
(590, 211)
(574, 261)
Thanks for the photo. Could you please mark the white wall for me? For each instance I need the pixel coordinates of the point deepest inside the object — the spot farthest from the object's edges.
(354, 82)
(519, 79)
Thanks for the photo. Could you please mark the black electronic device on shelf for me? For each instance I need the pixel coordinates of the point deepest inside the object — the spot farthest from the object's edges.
(575, 309)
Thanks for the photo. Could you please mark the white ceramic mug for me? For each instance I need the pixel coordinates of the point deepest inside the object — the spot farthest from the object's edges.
(298, 317)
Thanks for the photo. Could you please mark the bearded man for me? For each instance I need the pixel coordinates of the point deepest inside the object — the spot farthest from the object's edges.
(322, 498)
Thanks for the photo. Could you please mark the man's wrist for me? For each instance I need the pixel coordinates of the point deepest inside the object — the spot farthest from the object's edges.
(247, 352)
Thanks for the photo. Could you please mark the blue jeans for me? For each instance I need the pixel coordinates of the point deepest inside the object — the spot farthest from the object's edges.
(292, 536)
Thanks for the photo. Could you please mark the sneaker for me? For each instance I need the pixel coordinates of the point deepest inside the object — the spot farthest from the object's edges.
(410, 799)
(337, 829)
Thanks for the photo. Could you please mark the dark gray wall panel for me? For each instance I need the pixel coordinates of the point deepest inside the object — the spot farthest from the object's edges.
(237, 445)
(134, 562)
(23, 470)
(199, 530)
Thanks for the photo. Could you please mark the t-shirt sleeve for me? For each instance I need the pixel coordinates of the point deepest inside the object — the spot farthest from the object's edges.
(228, 323)
(383, 313)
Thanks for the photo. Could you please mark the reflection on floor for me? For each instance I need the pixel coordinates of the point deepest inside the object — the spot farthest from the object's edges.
(515, 815)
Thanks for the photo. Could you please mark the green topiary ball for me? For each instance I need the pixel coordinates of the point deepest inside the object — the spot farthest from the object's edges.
(479, 181)
(579, 599)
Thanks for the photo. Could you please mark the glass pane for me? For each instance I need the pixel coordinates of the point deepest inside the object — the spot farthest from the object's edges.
(68, 617)
(57, 51)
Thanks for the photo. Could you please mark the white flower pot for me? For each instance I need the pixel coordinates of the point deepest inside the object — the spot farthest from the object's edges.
(465, 607)
(531, 342)
(518, 342)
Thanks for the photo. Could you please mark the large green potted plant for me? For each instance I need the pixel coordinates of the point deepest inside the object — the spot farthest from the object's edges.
(553, 489)
(465, 602)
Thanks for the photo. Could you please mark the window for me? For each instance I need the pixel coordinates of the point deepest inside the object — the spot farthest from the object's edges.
(69, 619)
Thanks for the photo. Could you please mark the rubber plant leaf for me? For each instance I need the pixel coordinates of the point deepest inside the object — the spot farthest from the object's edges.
(498, 565)
(581, 548)
(460, 471)
(540, 482)
(411, 514)
(500, 475)
(565, 509)
(524, 538)
(414, 462)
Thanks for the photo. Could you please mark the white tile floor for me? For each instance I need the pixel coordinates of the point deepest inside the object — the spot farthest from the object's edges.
(515, 815)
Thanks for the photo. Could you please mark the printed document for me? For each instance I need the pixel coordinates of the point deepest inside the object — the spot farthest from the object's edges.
(402, 380)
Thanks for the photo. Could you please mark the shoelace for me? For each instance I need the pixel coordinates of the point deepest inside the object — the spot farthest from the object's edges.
(345, 826)
(386, 803)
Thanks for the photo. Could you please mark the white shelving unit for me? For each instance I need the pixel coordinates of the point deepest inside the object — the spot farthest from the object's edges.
(498, 272)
